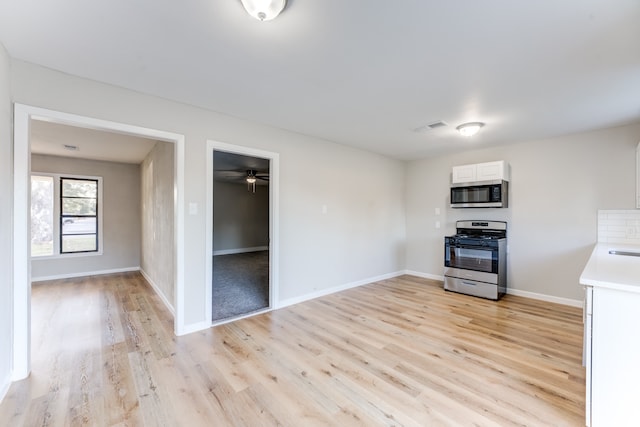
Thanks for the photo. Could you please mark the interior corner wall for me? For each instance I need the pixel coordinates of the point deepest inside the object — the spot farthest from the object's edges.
(557, 185)
(158, 254)
(240, 217)
(120, 218)
(6, 227)
(359, 237)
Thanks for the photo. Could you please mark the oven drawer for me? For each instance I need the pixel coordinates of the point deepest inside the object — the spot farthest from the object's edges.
(471, 287)
(472, 275)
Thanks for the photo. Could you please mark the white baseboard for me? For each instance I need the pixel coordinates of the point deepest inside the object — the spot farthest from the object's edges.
(158, 292)
(85, 273)
(324, 292)
(425, 275)
(194, 327)
(510, 291)
(547, 298)
(240, 250)
(4, 387)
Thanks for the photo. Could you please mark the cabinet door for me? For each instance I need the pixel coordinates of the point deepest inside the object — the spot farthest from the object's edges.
(615, 370)
(464, 173)
(587, 349)
(492, 171)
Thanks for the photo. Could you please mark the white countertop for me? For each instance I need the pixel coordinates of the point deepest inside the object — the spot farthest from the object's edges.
(621, 272)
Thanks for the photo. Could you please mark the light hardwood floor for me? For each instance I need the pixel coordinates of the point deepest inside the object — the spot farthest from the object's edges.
(400, 352)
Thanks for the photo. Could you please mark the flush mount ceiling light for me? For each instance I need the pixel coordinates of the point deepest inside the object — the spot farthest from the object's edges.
(469, 129)
(264, 10)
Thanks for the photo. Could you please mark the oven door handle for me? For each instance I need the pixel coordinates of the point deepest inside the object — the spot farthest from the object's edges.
(474, 247)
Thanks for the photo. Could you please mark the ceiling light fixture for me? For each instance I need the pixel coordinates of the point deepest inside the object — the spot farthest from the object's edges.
(469, 129)
(264, 10)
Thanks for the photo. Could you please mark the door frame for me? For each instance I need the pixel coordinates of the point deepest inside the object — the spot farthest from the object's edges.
(21, 218)
(274, 197)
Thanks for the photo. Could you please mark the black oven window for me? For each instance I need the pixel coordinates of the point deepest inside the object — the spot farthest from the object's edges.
(473, 259)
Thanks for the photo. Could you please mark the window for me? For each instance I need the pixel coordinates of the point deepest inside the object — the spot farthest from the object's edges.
(65, 215)
(42, 211)
(79, 215)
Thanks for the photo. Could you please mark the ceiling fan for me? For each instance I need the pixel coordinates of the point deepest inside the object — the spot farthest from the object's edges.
(250, 176)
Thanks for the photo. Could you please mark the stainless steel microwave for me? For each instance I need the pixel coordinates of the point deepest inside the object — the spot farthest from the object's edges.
(484, 194)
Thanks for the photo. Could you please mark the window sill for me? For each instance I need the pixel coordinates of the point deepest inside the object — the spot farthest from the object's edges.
(64, 256)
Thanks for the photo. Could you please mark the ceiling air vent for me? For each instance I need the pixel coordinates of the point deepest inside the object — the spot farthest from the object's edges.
(431, 126)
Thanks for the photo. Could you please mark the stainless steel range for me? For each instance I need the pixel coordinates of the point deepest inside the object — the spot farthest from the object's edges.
(475, 259)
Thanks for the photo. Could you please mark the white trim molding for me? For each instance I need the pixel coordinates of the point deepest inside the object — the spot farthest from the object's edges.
(158, 292)
(339, 288)
(274, 215)
(424, 275)
(23, 114)
(547, 298)
(510, 291)
(84, 274)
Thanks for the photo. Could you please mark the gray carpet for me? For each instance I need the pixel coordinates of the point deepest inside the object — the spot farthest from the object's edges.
(240, 284)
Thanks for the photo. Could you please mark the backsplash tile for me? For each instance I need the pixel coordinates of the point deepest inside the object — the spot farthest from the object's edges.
(619, 226)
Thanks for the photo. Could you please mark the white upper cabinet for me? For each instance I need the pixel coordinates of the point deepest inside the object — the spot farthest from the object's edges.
(465, 173)
(490, 171)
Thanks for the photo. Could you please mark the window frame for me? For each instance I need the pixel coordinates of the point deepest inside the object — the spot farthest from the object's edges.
(57, 216)
(62, 217)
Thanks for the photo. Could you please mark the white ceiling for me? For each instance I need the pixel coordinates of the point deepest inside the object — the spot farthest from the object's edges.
(51, 138)
(361, 72)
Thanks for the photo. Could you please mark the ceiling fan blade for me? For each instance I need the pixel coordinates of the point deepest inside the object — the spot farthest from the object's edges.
(230, 173)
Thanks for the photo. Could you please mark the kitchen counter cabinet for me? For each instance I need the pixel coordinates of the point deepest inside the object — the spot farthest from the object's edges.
(612, 342)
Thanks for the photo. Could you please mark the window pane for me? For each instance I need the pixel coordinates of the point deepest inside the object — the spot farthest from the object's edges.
(82, 243)
(79, 188)
(78, 225)
(41, 215)
(79, 206)
(78, 210)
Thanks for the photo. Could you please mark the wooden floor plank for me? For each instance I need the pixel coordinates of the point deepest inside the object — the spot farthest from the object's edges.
(399, 352)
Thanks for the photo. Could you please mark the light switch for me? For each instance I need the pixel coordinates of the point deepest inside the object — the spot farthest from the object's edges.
(437, 211)
(324, 209)
(437, 224)
(193, 208)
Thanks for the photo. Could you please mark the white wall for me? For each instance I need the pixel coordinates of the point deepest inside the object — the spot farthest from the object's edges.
(6, 228)
(240, 217)
(120, 218)
(557, 185)
(361, 236)
(158, 255)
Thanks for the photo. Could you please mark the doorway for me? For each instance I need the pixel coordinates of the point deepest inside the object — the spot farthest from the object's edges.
(23, 115)
(242, 219)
